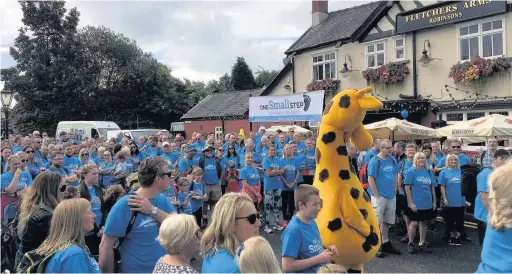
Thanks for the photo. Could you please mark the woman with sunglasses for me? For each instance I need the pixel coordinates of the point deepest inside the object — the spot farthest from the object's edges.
(105, 169)
(36, 210)
(180, 236)
(31, 166)
(232, 155)
(137, 155)
(84, 157)
(234, 220)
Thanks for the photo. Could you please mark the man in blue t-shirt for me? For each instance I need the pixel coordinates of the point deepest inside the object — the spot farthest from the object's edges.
(482, 199)
(149, 207)
(383, 184)
(212, 177)
(372, 151)
(455, 147)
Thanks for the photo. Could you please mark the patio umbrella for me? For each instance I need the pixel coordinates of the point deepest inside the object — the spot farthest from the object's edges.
(397, 130)
(273, 129)
(495, 125)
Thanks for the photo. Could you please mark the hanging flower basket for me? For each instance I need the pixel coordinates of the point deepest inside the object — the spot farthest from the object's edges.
(327, 85)
(388, 74)
(477, 69)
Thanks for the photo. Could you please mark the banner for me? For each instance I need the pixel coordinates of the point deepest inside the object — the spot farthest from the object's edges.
(307, 106)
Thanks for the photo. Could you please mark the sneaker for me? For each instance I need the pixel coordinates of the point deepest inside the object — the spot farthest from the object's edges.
(278, 228)
(411, 248)
(389, 248)
(285, 224)
(466, 239)
(425, 248)
(452, 240)
(380, 254)
(457, 242)
(404, 239)
(268, 230)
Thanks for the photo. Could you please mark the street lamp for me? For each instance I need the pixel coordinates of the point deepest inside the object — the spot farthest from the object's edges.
(6, 102)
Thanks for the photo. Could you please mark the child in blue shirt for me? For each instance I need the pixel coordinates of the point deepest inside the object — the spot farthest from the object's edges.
(302, 250)
(184, 195)
(198, 194)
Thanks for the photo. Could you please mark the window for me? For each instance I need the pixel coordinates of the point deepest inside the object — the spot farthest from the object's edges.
(454, 117)
(324, 66)
(485, 39)
(505, 113)
(399, 44)
(474, 115)
(375, 54)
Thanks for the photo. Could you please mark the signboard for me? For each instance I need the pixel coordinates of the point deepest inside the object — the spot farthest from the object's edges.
(306, 106)
(447, 13)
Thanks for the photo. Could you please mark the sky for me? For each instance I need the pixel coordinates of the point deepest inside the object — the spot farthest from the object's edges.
(199, 40)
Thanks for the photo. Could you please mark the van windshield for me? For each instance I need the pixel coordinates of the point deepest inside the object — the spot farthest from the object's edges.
(149, 132)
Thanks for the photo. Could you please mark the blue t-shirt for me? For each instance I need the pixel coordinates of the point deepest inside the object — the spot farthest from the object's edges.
(198, 189)
(185, 164)
(182, 197)
(291, 167)
(140, 250)
(220, 262)
(369, 155)
(420, 181)
(170, 194)
(24, 181)
(210, 171)
(251, 174)
(309, 156)
(301, 147)
(96, 206)
(481, 186)
(73, 259)
(171, 158)
(451, 180)
(302, 241)
(403, 166)
(137, 158)
(496, 251)
(384, 172)
(463, 160)
(71, 162)
(271, 182)
(154, 151)
(106, 179)
(235, 159)
(16, 149)
(301, 161)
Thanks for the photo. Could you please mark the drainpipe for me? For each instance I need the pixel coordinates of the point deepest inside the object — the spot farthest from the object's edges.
(293, 73)
(414, 72)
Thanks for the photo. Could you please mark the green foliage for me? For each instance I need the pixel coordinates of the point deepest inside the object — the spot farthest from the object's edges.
(264, 77)
(241, 75)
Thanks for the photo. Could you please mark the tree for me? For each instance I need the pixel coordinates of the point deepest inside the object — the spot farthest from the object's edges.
(264, 77)
(241, 75)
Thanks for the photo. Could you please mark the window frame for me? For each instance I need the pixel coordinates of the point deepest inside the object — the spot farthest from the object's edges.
(395, 48)
(383, 41)
(480, 34)
(323, 62)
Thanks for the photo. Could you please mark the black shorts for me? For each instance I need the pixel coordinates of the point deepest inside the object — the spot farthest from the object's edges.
(420, 215)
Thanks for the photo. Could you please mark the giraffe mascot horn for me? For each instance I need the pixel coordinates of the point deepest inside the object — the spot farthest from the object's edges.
(347, 219)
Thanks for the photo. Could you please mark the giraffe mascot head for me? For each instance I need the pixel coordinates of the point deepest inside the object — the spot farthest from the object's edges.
(347, 219)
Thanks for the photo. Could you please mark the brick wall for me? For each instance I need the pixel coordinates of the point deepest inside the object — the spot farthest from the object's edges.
(229, 126)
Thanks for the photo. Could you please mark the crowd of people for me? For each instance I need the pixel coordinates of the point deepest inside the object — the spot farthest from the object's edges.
(156, 203)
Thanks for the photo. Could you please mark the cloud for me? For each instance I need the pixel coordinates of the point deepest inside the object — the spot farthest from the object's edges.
(198, 40)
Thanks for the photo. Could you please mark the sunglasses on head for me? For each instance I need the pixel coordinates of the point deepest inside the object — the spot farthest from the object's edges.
(251, 218)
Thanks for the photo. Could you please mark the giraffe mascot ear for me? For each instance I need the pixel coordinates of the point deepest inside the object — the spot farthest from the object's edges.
(368, 102)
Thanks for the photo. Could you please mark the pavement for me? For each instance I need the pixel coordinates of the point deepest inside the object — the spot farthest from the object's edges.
(444, 259)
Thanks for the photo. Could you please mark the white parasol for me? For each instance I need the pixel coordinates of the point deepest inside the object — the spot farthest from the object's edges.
(495, 126)
(397, 130)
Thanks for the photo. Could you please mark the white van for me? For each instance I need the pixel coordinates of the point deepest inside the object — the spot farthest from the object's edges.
(136, 133)
(83, 129)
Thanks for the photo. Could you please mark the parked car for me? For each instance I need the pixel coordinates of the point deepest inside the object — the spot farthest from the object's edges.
(136, 133)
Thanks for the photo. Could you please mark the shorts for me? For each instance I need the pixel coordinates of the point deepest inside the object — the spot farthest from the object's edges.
(420, 215)
(213, 192)
(385, 209)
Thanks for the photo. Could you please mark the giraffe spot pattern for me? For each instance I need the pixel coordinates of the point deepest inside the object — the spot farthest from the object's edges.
(342, 150)
(364, 212)
(354, 192)
(329, 137)
(344, 174)
(366, 197)
(345, 101)
(328, 107)
(317, 155)
(334, 224)
(324, 174)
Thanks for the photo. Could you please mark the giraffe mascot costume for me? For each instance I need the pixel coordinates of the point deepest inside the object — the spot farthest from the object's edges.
(347, 219)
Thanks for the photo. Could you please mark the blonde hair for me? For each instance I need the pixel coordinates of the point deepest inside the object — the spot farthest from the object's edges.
(285, 149)
(197, 171)
(221, 231)
(9, 161)
(416, 157)
(176, 233)
(331, 268)
(81, 152)
(500, 197)
(66, 228)
(258, 257)
(450, 156)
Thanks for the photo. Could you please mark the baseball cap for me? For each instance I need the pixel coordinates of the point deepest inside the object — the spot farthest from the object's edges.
(208, 147)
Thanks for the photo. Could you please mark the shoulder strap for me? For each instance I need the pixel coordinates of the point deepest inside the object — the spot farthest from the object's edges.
(482, 156)
(201, 162)
(128, 228)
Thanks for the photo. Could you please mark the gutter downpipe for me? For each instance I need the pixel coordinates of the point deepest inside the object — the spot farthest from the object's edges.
(414, 72)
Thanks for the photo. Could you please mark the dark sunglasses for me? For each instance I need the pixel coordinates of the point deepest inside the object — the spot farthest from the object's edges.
(63, 188)
(84, 155)
(220, 149)
(455, 146)
(169, 174)
(251, 218)
(29, 151)
(24, 161)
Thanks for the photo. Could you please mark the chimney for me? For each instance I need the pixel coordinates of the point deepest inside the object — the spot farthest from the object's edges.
(320, 11)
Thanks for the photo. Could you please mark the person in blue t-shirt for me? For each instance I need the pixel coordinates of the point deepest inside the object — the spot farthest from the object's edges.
(383, 184)
(455, 147)
(148, 205)
(70, 254)
(68, 176)
(199, 195)
(137, 155)
(401, 199)
(71, 162)
(301, 160)
(290, 178)
(6, 153)
(420, 185)
(250, 178)
(272, 186)
(372, 151)
(153, 150)
(497, 247)
(14, 182)
(303, 251)
(451, 191)
(234, 220)
(186, 163)
(309, 158)
(184, 195)
(482, 199)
